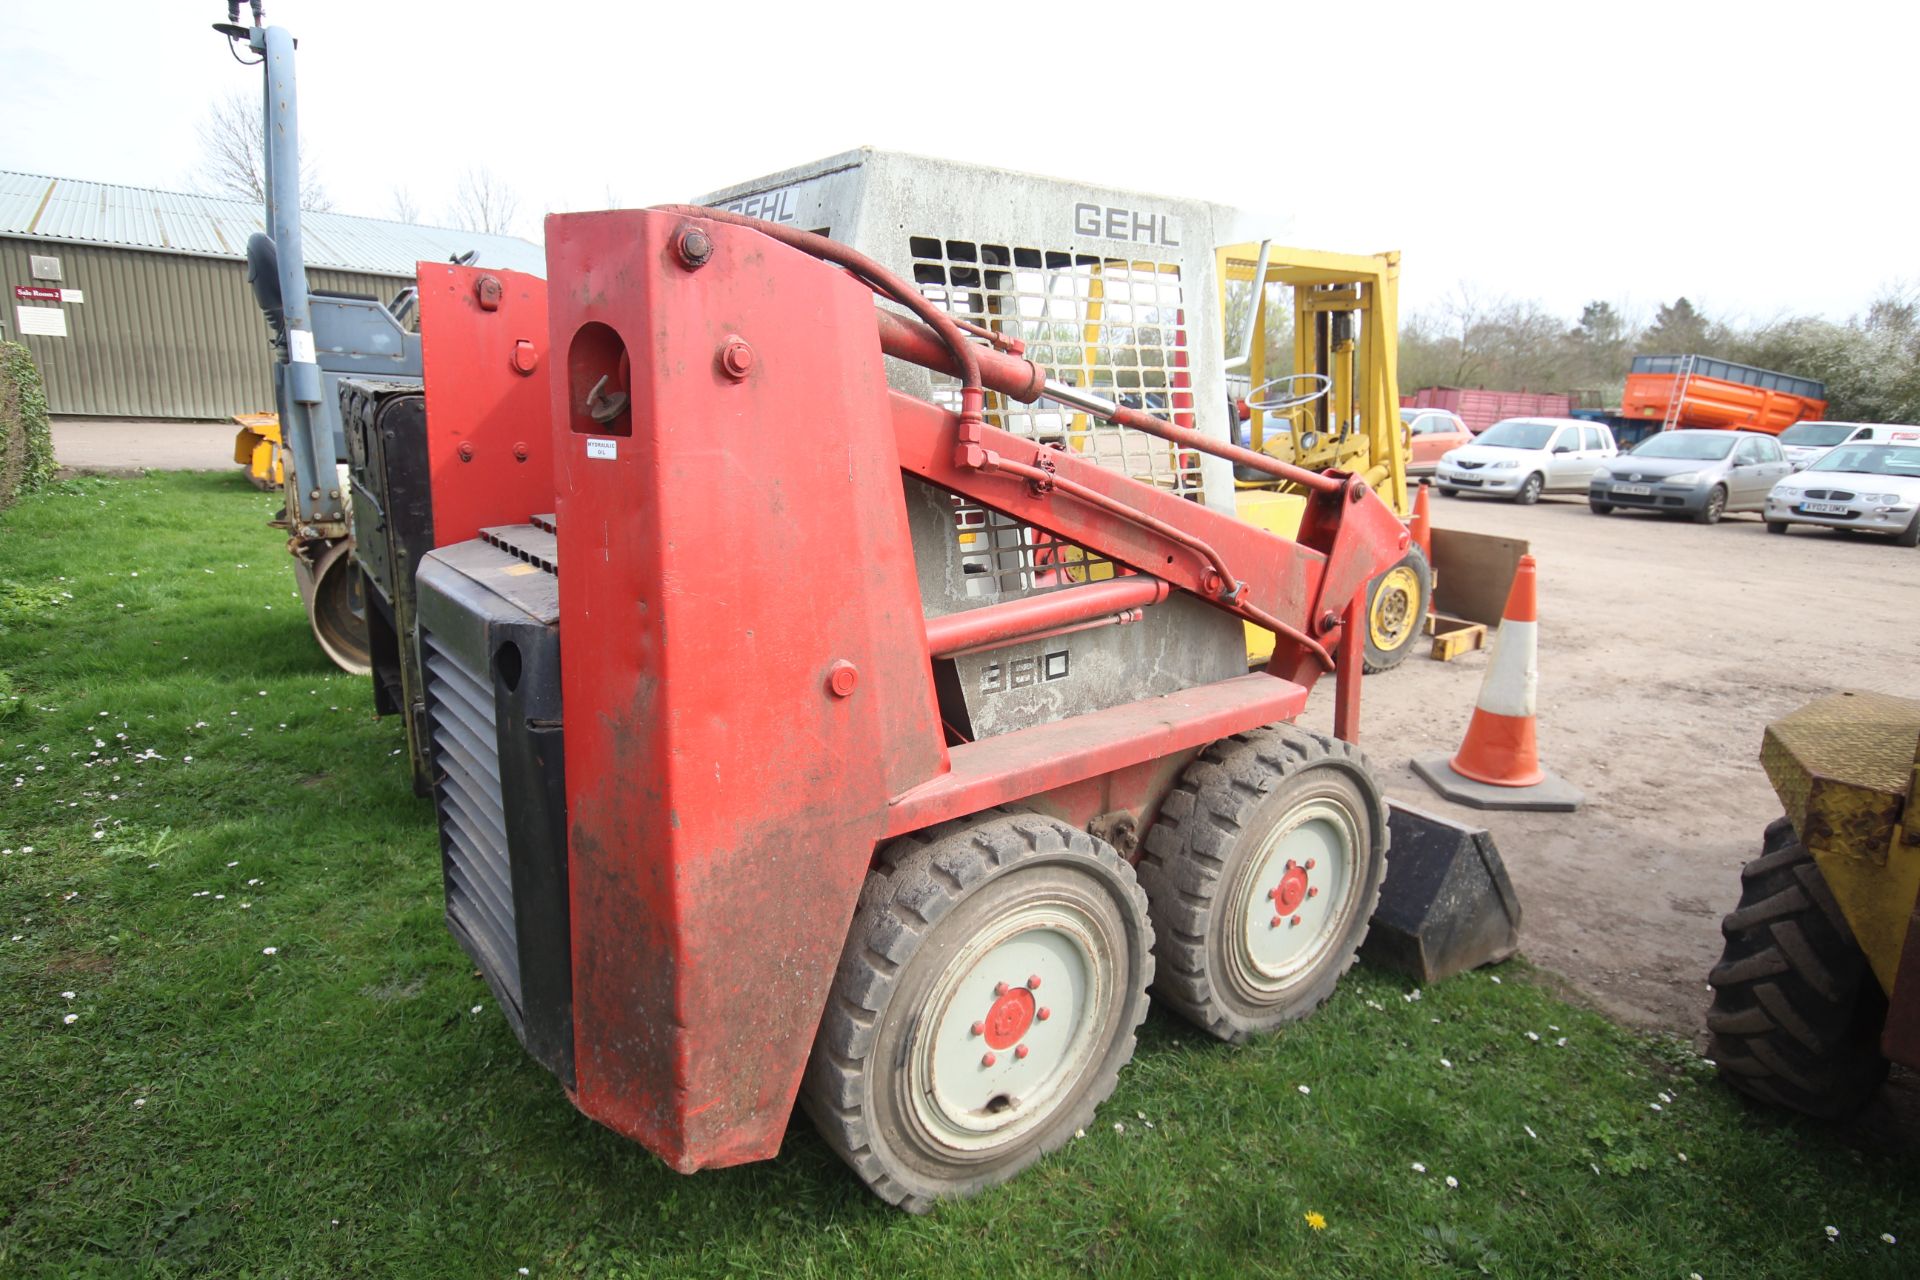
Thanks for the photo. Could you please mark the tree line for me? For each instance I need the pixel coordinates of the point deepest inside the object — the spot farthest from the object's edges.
(1870, 362)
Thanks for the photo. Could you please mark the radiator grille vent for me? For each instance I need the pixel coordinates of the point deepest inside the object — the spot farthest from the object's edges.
(473, 827)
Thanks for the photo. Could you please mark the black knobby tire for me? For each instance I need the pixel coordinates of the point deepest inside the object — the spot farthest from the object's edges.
(1713, 508)
(1796, 1013)
(1909, 536)
(1776, 526)
(1530, 489)
(1406, 634)
(1599, 508)
(1231, 811)
(934, 895)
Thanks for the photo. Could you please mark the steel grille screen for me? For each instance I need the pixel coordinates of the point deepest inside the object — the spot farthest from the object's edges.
(473, 824)
(1111, 326)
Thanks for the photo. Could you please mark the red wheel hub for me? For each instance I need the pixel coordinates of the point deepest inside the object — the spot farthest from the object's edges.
(1008, 1020)
(1292, 889)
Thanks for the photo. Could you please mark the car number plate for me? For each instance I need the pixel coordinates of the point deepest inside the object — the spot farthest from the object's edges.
(1635, 490)
(1826, 508)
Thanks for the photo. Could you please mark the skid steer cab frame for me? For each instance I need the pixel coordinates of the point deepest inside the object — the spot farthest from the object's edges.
(678, 724)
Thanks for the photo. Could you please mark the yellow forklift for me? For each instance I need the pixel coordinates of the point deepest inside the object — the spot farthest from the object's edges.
(1314, 381)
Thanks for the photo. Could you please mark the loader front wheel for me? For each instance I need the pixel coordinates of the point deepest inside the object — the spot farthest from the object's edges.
(1262, 872)
(985, 1002)
(1796, 1014)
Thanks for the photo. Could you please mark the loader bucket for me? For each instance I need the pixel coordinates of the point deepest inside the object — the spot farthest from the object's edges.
(1447, 905)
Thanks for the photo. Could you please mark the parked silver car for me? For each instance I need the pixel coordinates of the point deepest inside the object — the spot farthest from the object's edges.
(1873, 487)
(1702, 474)
(1804, 442)
(1521, 458)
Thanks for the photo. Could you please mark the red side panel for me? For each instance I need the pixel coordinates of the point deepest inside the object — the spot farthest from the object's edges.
(483, 341)
(745, 663)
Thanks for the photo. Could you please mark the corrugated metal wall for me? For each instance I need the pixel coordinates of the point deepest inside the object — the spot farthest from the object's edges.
(160, 335)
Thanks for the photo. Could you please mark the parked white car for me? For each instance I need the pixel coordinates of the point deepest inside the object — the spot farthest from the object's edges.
(1805, 442)
(1857, 485)
(1521, 458)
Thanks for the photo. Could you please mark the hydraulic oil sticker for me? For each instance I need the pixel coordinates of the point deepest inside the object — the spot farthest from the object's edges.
(598, 448)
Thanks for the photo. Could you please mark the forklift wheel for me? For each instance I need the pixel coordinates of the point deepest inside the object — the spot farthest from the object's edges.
(1396, 607)
(1796, 1014)
(987, 998)
(1263, 871)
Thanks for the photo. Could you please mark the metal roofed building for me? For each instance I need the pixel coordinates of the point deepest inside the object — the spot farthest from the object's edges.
(135, 302)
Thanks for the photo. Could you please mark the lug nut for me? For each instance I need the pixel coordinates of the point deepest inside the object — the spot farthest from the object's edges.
(1309, 864)
(977, 1028)
(1033, 983)
(1019, 1051)
(1294, 921)
(1275, 924)
(999, 988)
(987, 1059)
(1313, 892)
(1043, 1014)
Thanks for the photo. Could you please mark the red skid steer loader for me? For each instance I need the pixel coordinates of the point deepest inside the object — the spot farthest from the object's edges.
(723, 821)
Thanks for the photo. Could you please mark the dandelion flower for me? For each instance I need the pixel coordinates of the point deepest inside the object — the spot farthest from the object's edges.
(1886, 1238)
(475, 1009)
(1118, 1127)
(139, 1102)
(72, 1018)
(1452, 1182)
(1079, 1133)
(1418, 1167)
(66, 995)
(1316, 1220)
(1833, 1233)
(269, 951)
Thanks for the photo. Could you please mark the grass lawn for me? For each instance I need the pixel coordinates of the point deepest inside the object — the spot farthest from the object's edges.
(279, 1064)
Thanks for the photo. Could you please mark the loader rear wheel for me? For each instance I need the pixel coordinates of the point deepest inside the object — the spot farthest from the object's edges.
(1396, 607)
(987, 998)
(1796, 1013)
(1263, 870)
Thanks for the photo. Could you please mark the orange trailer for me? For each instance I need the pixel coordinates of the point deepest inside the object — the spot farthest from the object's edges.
(1695, 391)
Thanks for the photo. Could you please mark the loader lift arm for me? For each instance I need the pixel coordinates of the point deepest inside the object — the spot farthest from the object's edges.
(1297, 590)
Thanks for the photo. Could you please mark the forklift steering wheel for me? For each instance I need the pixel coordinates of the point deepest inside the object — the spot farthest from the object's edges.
(1317, 385)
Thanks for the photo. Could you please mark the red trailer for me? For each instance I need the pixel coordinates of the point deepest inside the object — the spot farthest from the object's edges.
(1480, 408)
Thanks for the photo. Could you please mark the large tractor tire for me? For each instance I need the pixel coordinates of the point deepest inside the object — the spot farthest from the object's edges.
(1397, 604)
(1796, 1014)
(986, 1000)
(1263, 870)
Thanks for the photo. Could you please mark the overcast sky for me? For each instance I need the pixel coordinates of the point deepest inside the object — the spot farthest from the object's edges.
(1758, 158)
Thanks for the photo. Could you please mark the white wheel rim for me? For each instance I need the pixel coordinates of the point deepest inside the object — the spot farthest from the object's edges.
(1293, 897)
(997, 1051)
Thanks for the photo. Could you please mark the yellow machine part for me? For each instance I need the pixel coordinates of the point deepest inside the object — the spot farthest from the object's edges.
(1847, 769)
(257, 448)
(1345, 313)
(1276, 513)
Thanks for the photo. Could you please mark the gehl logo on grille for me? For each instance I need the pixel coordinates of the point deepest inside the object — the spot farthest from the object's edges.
(1135, 226)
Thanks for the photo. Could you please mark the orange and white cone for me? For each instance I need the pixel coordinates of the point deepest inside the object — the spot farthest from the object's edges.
(1498, 764)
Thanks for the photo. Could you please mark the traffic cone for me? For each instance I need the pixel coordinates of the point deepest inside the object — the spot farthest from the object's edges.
(1498, 764)
(1421, 524)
